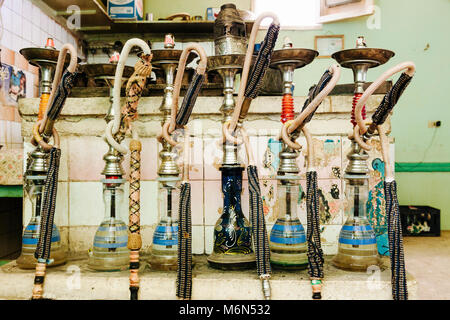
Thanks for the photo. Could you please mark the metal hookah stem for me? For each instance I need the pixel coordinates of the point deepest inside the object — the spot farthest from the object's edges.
(288, 203)
(169, 202)
(38, 204)
(356, 203)
(113, 202)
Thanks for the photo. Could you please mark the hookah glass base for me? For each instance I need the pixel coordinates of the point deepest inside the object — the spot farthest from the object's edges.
(288, 245)
(357, 248)
(232, 235)
(29, 242)
(110, 252)
(165, 247)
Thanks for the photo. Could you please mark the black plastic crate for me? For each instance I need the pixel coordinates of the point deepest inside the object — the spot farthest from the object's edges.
(420, 221)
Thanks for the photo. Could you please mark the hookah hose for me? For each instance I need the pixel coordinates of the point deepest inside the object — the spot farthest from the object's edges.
(184, 261)
(178, 119)
(116, 130)
(398, 272)
(248, 90)
(315, 253)
(315, 96)
(250, 84)
(258, 222)
(60, 90)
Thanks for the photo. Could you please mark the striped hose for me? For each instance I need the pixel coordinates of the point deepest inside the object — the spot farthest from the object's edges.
(42, 253)
(397, 257)
(315, 253)
(184, 270)
(259, 230)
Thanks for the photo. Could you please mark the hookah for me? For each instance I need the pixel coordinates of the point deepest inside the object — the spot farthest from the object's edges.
(165, 242)
(44, 58)
(290, 130)
(248, 90)
(357, 246)
(287, 238)
(43, 130)
(232, 236)
(179, 119)
(109, 251)
(361, 135)
(115, 133)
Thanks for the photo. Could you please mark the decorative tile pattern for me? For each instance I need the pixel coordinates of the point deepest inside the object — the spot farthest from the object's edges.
(11, 170)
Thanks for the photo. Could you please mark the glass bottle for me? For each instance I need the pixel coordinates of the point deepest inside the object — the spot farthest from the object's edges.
(287, 239)
(164, 250)
(30, 237)
(357, 247)
(110, 252)
(232, 233)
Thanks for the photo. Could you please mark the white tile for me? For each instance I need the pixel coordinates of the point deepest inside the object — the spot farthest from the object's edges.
(16, 133)
(198, 239)
(62, 205)
(36, 14)
(17, 6)
(2, 132)
(27, 9)
(16, 43)
(7, 39)
(8, 4)
(86, 206)
(17, 24)
(58, 31)
(43, 21)
(51, 28)
(149, 200)
(36, 36)
(7, 15)
(26, 30)
(209, 239)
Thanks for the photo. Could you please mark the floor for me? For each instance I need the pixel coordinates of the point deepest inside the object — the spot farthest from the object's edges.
(428, 259)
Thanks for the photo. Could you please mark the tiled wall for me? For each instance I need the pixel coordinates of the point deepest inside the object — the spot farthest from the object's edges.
(23, 25)
(80, 207)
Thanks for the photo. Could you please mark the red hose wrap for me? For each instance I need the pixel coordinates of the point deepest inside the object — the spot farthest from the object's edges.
(287, 108)
(356, 98)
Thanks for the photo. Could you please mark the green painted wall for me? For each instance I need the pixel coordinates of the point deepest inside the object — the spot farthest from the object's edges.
(414, 30)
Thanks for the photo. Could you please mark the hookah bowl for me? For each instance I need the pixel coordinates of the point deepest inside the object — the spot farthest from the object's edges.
(357, 246)
(287, 241)
(229, 31)
(164, 248)
(232, 237)
(360, 59)
(109, 250)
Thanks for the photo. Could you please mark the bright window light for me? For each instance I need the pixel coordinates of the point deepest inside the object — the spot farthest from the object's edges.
(293, 14)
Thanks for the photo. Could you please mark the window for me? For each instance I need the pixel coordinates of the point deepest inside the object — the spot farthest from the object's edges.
(309, 14)
(293, 14)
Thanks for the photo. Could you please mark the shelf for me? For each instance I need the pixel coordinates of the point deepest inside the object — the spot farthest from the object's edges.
(95, 21)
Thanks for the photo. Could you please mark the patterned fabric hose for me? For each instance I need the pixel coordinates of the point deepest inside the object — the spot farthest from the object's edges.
(134, 237)
(42, 253)
(184, 270)
(315, 253)
(398, 273)
(259, 230)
